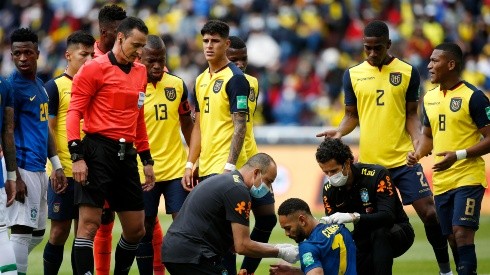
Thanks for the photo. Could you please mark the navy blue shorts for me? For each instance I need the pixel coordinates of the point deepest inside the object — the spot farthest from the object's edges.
(62, 206)
(411, 183)
(460, 206)
(172, 191)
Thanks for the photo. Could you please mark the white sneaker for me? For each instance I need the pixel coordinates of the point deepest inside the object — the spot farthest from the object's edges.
(448, 273)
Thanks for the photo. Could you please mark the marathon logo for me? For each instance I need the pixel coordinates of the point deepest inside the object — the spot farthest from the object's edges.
(395, 79)
(170, 93)
(455, 104)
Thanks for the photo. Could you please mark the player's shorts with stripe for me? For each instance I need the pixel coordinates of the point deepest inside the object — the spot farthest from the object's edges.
(62, 206)
(110, 178)
(34, 212)
(460, 206)
(411, 182)
(172, 191)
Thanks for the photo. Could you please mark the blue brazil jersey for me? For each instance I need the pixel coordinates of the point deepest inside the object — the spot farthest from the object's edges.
(31, 122)
(6, 100)
(330, 247)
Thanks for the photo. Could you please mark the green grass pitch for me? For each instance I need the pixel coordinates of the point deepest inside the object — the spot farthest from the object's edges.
(418, 260)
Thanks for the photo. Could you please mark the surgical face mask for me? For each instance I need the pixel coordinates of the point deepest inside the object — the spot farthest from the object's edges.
(338, 179)
(261, 191)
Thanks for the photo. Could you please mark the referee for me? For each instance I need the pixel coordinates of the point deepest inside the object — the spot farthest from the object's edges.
(108, 93)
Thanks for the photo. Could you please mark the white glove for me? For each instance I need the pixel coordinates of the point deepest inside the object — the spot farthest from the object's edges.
(338, 218)
(284, 245)
(289, 253)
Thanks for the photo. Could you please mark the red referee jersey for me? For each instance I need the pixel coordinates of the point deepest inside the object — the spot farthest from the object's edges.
(110, 102)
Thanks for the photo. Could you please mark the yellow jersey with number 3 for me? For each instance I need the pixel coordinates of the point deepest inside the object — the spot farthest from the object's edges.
(165, 102)
(454, 117)
(380, 95)
(217, 97)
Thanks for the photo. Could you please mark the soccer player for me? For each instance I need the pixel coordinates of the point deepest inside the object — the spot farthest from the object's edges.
(323, 248)
(381, 97)
(110, 17)
(167, 113)
(109, 93)
(363, 194)
(456, 129)
(7, 185)
(221, 94)
(61, 211)
(215, 218)
(263, 208)
(34, 144)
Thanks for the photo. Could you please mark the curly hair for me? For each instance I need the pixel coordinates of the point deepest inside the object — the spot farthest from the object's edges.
(333, 148)
(23, 35)
(293, 205)
(111, 13)
(236, 43)
(376, 28)
(216, 27)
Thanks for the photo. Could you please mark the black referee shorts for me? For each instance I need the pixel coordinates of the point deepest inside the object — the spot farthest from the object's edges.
(110, 178)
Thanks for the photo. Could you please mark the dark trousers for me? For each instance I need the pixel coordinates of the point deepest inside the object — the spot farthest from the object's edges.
(376, 251)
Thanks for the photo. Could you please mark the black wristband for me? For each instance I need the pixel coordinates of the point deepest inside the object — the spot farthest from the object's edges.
(145, 156)
(75, 146)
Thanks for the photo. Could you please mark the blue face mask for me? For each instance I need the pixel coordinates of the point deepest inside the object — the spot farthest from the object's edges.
(261, 191)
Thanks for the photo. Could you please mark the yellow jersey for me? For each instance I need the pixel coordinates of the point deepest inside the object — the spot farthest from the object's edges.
(217, 97)
(454, 117)
(381, 96)
(164, 103)
(249, 144)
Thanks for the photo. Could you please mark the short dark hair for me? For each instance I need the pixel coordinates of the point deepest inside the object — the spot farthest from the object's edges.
(454, 52)
(293, 205)
(80, 37)
(130, 23)
(376, 28)
(333, 148)
(23, 35)
(154, 42)
(111, 13)
(236, 42)
(260, 160)
(216, 27)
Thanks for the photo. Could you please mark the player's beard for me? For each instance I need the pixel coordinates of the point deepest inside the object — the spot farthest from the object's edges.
(300, 235)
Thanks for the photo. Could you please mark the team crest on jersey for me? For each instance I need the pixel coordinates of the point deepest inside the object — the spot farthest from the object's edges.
(395, 79)
(170, 93)
(56, 207)
(364, 195)
(217, 85)
(251, 96)
(455, 104)
(33, 214)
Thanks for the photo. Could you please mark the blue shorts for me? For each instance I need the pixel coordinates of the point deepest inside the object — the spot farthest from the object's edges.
(265, 200)
(411, 183)
(460, 206)
(172, 191)
(62, 206)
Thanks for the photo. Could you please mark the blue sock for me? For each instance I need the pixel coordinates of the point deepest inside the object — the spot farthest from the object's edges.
(467, 260)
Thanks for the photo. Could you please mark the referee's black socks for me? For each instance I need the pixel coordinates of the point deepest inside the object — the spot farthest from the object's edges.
(125, 253)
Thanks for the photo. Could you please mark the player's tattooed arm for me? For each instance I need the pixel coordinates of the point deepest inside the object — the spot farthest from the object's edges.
(240, 124)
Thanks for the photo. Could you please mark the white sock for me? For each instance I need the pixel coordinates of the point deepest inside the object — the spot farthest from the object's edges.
(20, 244)
(7, 260)
(35, 240)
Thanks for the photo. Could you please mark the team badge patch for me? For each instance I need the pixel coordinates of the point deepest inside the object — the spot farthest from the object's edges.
(170, 93)
(217, 85)
(487, 110)
(395, 79)
(364, 195)
(56, 207)
(251, 96)
(455, 104)
(33, 214)
(307, 259)
(141, 99)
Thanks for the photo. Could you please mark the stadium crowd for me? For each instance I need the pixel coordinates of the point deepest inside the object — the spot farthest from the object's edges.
(298, 50)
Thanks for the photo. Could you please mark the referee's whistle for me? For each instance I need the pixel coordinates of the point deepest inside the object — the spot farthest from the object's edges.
(122, 149)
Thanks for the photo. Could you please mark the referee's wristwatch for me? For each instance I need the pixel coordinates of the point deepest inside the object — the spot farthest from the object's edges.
(76, 157)
(148, 162)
